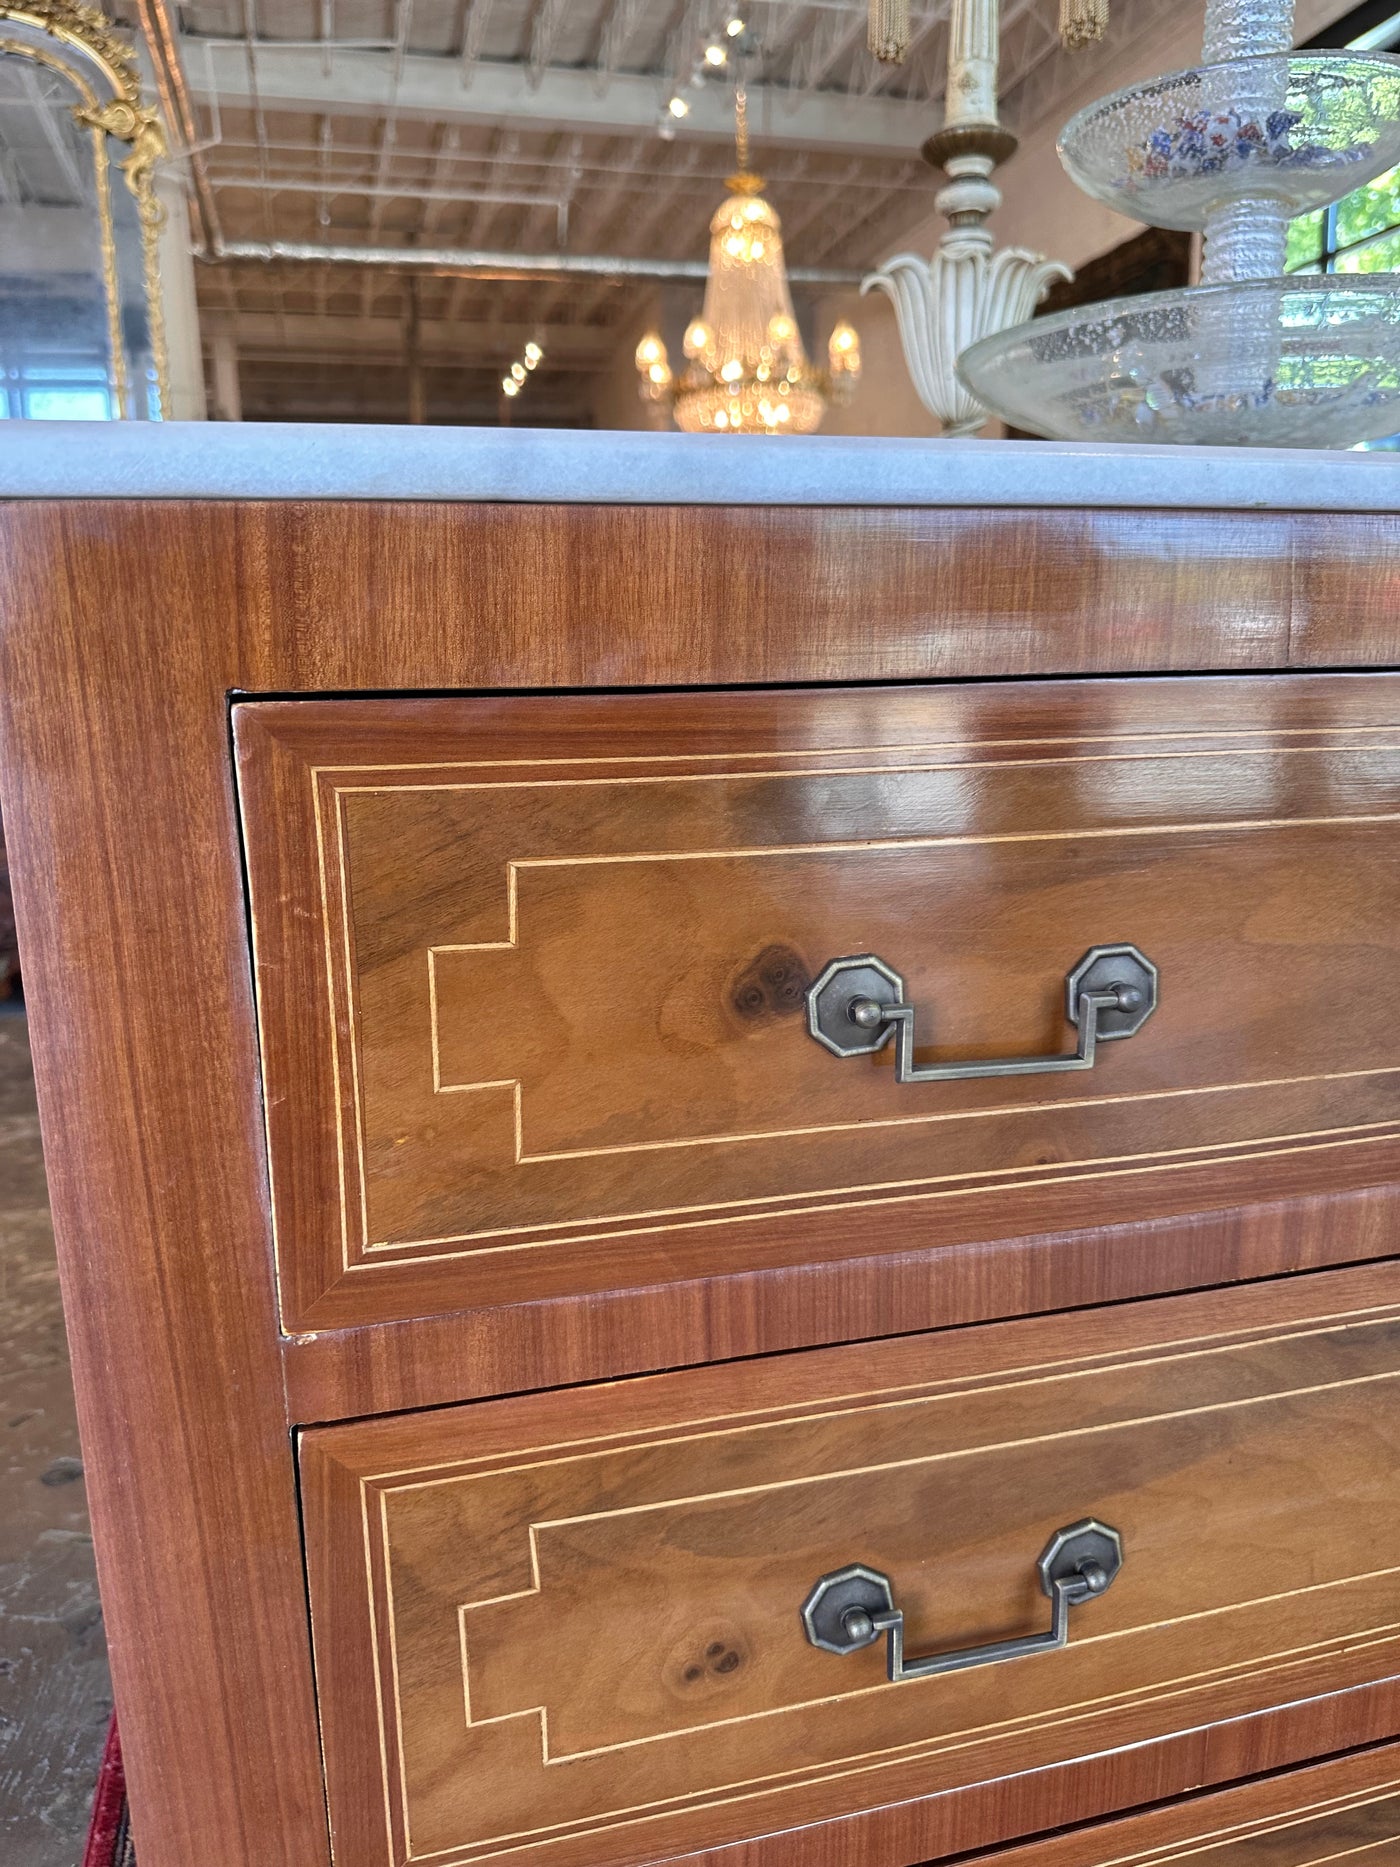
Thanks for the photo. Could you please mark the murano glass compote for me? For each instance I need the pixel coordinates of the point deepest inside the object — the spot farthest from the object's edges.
(1234, 149)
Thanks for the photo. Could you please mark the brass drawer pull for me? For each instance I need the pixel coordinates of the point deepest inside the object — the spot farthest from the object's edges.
(856, 1004)
(851, 1608)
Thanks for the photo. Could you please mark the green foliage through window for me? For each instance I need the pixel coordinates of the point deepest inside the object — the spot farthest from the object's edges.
(1361, 233)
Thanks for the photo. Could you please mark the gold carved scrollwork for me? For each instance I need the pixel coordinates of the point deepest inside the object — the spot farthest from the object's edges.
(102, 68)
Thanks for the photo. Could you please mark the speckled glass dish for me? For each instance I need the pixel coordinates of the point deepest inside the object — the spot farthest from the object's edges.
(1297, 362)
(1303, 129)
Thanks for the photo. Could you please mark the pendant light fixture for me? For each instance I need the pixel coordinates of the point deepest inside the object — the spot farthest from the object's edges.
(747, 370)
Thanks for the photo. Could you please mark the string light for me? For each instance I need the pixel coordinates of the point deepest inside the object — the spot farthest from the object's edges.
(514, 382)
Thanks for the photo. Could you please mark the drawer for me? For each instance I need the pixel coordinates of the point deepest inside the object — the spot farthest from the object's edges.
(536, 976)
(610, 1625)
(1347, 1810)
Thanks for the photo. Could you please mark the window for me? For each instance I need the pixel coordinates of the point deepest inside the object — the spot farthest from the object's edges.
(1361, 232)
(57, 391)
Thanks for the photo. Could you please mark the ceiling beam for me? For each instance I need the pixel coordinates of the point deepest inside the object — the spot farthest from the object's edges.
(459, 341)
(471, 262)
(363, 83)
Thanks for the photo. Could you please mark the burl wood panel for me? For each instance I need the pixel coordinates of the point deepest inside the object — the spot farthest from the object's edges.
(578, 1614)
(124, 627)
(532, 972)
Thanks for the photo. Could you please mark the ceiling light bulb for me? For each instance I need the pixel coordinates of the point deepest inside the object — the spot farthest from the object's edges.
(510, 385)
(533, 353)
(678, 107)
(734, 27)
(715, 55)
(518, 371)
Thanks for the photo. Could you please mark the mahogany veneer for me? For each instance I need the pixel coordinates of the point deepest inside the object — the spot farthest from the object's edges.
(126, 632)
(580, 1612)
(1308, 1818)
(532, 971)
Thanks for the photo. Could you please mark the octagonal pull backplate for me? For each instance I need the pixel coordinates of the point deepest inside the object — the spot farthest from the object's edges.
(857, 1004)
(851, 1608)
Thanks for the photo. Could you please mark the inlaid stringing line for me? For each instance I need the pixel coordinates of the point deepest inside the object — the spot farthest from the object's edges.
(837, 848)
(900, 1121)
(269, 1163)
(1103, 1701)
(997, 1112)
(1055, 1172)
(885, 1400)
(1262, 1828)
(892, 1757)
(357, 1098)
(1154, 755)
(945, 1457)
(925, 1461)
(369, 1246)
(336, 1079)
(378, 1677)
(1130, 736)
(1137, 1164)
(952, 1454)
(1313, 1860)
(919, 1749)
(389, 1600)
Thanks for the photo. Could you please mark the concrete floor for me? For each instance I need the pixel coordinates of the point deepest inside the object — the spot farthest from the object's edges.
(55, 1697)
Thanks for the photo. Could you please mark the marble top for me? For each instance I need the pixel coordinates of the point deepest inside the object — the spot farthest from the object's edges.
(255, 460)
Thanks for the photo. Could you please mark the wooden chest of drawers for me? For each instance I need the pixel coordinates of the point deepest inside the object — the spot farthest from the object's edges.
(592, 1619)
(751, 1229)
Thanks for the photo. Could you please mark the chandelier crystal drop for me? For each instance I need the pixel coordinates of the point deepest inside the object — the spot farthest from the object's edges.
(747, 369)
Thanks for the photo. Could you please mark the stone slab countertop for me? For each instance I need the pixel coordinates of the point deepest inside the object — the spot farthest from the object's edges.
(256, 460)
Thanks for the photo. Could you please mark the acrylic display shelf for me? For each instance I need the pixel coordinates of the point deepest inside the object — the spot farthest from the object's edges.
(1305, 361)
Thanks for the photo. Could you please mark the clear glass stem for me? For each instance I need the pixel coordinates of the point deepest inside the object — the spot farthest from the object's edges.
(1248, 239)
(1247, 29)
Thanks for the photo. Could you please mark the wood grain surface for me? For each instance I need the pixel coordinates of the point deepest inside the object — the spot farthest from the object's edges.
(533, 972)
(1307, 1818)
(580, 1612)
(124, 629)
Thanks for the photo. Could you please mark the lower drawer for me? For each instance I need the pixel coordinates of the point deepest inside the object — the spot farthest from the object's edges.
(1348, 1810)
(589, 1627)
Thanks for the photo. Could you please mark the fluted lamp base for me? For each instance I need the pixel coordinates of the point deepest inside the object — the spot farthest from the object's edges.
(965, 293)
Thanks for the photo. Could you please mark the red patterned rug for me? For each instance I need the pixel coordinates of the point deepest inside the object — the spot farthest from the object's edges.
(109, 1836)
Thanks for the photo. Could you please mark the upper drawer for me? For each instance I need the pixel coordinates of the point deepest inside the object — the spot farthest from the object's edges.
(533, 972)
(612, 1624)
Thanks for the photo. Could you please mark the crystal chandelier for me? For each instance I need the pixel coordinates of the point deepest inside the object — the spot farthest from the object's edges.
(747, 370)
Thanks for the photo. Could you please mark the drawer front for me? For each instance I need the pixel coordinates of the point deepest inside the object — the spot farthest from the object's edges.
(534, 974)
(580, 1627)
(1348, 1810)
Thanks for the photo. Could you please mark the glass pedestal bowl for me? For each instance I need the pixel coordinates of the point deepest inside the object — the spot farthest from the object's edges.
(1306, 361)
(1304, 128)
